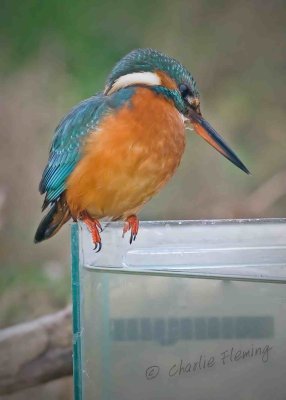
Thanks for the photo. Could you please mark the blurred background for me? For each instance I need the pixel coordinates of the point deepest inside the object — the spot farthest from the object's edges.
(55, 53)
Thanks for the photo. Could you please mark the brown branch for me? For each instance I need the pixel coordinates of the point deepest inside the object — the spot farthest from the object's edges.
(36, 352)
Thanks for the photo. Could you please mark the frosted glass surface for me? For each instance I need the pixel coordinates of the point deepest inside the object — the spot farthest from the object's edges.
(231, 248)
(153, 330)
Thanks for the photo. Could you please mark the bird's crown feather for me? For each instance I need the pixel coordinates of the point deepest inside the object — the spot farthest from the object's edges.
(149, 60)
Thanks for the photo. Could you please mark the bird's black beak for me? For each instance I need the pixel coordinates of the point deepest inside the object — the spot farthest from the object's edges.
(203, 128)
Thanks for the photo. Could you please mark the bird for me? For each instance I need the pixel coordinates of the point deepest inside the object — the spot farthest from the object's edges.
(115, 150)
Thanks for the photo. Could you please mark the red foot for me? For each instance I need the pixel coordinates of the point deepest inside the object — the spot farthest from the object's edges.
(131, 223)
(94, 228)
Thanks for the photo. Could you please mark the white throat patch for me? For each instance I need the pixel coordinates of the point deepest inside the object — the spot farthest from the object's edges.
(136, 78)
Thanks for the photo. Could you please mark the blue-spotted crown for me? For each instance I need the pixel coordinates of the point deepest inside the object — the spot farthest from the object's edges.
(145, 60)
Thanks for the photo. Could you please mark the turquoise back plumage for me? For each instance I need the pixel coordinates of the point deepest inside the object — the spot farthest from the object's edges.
(69, 137)
(65, 149)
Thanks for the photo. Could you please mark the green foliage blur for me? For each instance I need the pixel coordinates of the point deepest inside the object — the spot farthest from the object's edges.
(55, 53)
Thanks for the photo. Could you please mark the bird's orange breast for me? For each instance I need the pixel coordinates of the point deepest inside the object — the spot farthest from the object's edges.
(129, 157)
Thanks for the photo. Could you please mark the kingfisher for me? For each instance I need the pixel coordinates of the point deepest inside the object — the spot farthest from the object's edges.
(115, 150)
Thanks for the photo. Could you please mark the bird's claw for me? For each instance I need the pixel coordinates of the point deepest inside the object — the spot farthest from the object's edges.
(94, 227)
(97, 247)
(132, 224)
(97, 223)
(132, 237)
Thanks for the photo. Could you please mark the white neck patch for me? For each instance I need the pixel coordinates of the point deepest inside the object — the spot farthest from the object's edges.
(136, 78)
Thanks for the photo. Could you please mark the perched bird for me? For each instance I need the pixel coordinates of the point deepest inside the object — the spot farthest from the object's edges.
(115, 150)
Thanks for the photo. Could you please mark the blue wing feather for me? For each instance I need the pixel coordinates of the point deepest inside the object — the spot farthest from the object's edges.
(69, 135)
(66, 146)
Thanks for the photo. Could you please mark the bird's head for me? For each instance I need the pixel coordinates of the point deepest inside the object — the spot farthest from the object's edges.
(168, 77)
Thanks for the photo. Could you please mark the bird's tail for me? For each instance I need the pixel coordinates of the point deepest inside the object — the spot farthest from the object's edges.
(57, 216)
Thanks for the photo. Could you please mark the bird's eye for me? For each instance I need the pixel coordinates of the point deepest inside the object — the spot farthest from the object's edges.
(184, 90)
